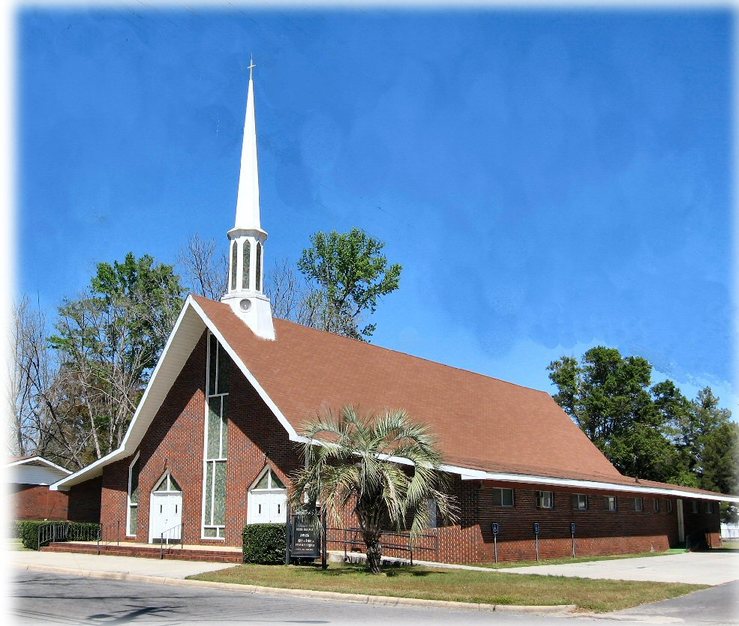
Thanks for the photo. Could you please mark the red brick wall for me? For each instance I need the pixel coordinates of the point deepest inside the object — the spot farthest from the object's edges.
(84, 501)
(38, 502)
(174, 442)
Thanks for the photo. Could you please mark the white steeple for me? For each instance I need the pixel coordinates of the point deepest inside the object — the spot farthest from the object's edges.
(244, 292)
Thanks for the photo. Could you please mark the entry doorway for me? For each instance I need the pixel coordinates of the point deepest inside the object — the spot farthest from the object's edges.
(165, 511)
(267, 500)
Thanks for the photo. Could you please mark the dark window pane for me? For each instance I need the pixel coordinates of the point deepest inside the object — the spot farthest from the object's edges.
(245, 263)
(259, 267)
(233, 266)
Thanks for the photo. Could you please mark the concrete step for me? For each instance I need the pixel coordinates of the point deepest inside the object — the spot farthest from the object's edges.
(153, 552)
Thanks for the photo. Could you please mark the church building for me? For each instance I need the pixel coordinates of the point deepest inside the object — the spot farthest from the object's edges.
(217, 435)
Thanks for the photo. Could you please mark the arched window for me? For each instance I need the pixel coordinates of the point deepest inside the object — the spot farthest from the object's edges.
(233, 266)
(259, 266)
(245, 263)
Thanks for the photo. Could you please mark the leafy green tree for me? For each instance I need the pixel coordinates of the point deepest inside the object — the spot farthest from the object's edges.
(608, 396)
(108, 341)
(652, 432)
(349, 273)
(352, 468)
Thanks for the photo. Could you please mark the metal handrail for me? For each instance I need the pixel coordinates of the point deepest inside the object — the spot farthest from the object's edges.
(64, 531)
(409, 547)
(105, 532)
(168, 533)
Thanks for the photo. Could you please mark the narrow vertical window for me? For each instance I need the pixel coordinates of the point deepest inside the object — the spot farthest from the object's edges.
(133, 497)
(216, 442)
(245, 265)
(233, 265)
(259, 267)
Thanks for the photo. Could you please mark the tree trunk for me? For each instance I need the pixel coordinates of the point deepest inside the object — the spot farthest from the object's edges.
(374, 551)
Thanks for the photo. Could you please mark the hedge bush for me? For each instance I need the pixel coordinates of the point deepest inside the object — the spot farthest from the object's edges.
(265, 543)
(28, 531)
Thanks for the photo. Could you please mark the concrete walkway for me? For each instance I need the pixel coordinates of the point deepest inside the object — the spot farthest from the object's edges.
(700, 568)
(92, 564)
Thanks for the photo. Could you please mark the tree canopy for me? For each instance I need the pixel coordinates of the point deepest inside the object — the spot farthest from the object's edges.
(351, 466)
(107, 342)
(349, 273)
(648, 430)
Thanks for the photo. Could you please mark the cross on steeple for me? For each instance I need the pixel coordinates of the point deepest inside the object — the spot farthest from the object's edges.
(251, 66)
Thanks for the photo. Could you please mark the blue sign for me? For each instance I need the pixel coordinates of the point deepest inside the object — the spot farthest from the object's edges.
(572, 528)
(536, 528)
(496, 528)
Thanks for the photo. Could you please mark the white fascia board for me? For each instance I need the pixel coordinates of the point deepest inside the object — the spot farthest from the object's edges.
(39, 459)
(292, 433)
(91, 471)
(468, 474)
(63, 484)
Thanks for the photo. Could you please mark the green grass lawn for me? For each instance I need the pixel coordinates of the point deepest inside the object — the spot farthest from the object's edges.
(458, 585)
(579, 559)
(730, 545)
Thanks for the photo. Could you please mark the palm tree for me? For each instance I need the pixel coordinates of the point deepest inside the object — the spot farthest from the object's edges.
(387, 468)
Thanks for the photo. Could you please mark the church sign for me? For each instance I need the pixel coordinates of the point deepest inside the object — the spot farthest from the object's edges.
(305, 538)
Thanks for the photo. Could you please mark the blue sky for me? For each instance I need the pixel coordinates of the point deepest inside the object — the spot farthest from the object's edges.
(549, 180)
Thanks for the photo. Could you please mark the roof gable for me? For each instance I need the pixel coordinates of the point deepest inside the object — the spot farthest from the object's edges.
(480, 421)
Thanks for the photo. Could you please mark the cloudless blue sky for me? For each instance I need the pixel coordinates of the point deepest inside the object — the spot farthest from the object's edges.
(549, 180)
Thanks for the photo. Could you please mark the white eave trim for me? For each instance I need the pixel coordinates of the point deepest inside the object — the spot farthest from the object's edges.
(39, 459)
(469, 474)
(292, 433)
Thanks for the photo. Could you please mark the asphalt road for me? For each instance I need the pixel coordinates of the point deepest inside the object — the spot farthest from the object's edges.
(44, 598)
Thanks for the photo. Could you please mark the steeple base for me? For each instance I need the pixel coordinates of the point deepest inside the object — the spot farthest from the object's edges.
(255, 310)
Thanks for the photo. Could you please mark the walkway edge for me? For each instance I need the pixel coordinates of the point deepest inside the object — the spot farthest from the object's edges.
(305, 593)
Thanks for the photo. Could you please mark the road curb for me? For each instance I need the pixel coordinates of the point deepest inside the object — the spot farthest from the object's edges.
(304, 593)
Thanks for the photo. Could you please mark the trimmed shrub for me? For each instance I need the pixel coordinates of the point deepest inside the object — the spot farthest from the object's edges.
(66, 531)
(265, 543)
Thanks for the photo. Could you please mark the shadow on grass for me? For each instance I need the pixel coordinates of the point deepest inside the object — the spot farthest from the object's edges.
(354, 569)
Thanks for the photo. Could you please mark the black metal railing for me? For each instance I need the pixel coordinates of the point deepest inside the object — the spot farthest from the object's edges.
(171, 536)
(55, 532)
(401, 541)
(109, 533)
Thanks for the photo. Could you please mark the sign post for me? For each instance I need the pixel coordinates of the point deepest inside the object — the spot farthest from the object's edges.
(496, 530)
(537, 530)
(572, 534)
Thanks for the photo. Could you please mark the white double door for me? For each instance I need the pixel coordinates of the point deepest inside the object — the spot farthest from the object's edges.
(267, 507)
(165, 516)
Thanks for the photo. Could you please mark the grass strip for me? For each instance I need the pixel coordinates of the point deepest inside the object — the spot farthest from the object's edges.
(580, 559)
(456, 585)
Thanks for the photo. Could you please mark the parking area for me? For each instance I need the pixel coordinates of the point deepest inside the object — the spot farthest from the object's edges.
(701, 568)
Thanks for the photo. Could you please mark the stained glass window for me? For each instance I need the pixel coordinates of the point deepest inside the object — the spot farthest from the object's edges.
(133, 497)
(216, 443)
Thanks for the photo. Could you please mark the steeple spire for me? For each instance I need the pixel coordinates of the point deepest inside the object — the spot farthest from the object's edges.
(244, 293)
(247, 203)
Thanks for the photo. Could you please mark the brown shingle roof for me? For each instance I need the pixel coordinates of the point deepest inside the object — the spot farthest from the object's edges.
(481, 422)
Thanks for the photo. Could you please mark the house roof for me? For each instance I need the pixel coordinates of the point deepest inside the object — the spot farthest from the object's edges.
(17, 461)
(486, 428)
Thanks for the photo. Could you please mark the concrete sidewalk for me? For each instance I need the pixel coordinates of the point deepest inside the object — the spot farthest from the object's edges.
(174, 572)
(700, 568)
(91, 564)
